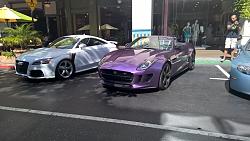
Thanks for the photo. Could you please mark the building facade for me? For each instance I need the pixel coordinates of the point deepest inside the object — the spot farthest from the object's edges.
(168, 17)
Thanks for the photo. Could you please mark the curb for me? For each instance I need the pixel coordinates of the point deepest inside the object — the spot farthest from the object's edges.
(7, 67)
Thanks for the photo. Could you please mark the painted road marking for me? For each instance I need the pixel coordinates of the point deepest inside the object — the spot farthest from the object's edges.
(223, 71)
(126, 122)
(221, 79)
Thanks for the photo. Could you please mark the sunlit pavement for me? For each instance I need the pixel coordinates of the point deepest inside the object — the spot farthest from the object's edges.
(60, 110)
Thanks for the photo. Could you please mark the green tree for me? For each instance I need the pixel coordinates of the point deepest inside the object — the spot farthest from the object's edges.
(243, 7)
(21, 36)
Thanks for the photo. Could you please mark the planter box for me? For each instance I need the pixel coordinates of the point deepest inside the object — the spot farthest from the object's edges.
(4, 60)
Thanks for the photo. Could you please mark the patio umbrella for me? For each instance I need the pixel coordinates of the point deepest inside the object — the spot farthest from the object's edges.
(108, 27)
(86, 27)
(9, 15)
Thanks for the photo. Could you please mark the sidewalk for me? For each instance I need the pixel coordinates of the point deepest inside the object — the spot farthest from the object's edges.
(211, 57)
(7, 63)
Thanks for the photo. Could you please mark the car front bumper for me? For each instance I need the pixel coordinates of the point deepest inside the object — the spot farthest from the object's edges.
(239, 81)
(130, 78)
(45, 71)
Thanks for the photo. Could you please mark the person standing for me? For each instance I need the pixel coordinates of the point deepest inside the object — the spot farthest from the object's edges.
(233, 30)
(187, 31)
(196, 32)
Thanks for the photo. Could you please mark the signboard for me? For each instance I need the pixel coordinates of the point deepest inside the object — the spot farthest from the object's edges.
(32, 4)
(141, 18)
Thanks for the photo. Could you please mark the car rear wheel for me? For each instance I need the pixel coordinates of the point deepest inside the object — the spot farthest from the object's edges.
(191, 62)
(165, 77)
(64, 69)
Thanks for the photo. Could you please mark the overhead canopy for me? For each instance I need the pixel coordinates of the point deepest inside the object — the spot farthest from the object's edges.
(108, 27)
(9, 15)
(86, 27)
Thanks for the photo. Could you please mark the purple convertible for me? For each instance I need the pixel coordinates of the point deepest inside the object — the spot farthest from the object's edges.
(147, 62)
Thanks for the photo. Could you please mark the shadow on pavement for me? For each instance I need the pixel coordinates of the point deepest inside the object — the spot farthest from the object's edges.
(236, 93)
(57, 80)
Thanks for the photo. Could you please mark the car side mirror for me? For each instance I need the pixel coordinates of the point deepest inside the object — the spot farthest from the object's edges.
(127, 45)
(81, 46)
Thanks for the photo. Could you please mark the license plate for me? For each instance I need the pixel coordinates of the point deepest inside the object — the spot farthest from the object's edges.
(118, 85)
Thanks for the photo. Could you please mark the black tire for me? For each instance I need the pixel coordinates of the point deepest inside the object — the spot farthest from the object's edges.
(191, 62)
(165, 77)
(69, 69)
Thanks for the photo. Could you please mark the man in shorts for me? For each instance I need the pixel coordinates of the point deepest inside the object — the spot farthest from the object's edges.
(233, 30)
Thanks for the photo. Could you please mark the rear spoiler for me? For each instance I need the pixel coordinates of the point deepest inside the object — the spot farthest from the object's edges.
(113, 42)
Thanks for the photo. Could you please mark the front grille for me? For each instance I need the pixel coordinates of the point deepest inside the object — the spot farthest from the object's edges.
(22, 67)
(117, 76)
(36, 73)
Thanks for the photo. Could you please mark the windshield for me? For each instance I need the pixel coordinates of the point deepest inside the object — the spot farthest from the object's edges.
(64, 43)
(152, 43)
(248, 46)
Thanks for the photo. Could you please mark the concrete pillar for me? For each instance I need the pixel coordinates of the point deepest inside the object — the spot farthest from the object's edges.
(68, 17)
(93, 17)
(165, 17)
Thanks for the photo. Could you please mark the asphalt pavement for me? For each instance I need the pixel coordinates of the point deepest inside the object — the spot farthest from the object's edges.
(194, 108)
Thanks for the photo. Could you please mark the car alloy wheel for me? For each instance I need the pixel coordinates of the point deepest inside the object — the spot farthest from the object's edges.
(65, 69)
(165, 77)
(191, 62)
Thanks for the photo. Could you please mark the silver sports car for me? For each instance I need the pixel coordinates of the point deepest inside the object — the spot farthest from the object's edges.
(63, 57)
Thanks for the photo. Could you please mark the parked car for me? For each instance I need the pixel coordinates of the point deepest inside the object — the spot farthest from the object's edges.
(147, 62)
(240, 71)
(63, 57)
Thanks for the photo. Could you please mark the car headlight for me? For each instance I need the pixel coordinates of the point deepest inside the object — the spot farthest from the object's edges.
(103, 60)
(244, 69)
(42, 61)
(145, 65)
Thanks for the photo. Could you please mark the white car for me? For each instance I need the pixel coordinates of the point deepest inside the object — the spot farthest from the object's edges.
(64, 57)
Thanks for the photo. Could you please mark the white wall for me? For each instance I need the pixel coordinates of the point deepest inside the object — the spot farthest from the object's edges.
(245, 32)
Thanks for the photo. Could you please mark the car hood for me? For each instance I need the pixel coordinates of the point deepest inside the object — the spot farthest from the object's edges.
(130, 57)
(42, 53)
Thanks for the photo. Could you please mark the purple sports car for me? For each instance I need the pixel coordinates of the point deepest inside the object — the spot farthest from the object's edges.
(147, 62)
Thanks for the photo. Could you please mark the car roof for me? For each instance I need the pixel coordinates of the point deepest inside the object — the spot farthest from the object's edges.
(84, 36)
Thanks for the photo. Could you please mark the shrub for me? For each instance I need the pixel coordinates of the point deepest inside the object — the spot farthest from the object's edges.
(8, 54)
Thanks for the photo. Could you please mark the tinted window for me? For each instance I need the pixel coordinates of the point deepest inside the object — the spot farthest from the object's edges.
(248, 46)
(85, 41)
(95, 42)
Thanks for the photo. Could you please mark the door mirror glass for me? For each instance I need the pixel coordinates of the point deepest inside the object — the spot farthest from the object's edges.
(81, 46)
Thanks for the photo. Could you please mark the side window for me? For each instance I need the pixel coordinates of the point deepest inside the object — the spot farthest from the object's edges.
(85, 41)
(95, 42)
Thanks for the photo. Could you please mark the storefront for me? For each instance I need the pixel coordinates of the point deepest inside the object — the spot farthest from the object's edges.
(161, 17)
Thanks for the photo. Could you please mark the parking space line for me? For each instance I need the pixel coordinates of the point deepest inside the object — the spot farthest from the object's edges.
(126, 122)
(223, 71)
(222, 79)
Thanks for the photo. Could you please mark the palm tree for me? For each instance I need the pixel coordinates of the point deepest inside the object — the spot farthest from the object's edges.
(243, 8)
(21, 36)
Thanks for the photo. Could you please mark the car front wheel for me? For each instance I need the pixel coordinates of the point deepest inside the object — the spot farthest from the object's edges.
(64, 69)
(191, 62)
(165, 77)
